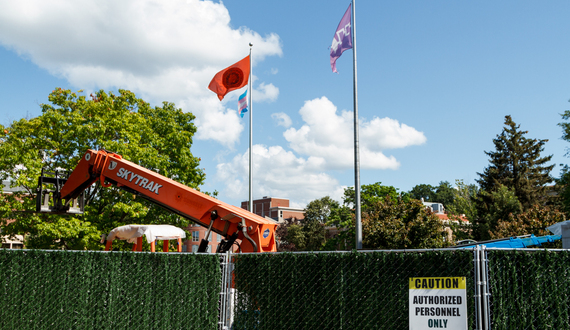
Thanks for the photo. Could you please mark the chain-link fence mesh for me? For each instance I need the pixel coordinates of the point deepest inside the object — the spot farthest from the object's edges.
(354, 290)
(358, 290)
(117, 290)
(529, 289)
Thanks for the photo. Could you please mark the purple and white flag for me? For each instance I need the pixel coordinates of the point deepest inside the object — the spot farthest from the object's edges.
(342, 37)
(242, 104)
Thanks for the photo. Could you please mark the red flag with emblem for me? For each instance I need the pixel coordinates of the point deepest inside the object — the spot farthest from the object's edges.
(231, 78)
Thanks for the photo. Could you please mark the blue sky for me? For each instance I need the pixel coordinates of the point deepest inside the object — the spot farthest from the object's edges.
(435, 81)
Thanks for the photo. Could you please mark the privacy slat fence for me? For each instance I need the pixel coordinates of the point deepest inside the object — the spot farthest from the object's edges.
(505, 289)
(338, 290)
(116, 290)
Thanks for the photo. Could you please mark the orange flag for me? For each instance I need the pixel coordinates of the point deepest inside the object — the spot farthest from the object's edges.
(231, 78)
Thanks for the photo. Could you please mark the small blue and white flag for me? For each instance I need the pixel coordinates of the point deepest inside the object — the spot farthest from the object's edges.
(242, 103)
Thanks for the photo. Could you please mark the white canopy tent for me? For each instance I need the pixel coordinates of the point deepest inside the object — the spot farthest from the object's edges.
(135, 233)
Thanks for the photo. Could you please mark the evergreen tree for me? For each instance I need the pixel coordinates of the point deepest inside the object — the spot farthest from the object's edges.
(517, 164)
(515, 180)
(494, 208)
(563, 184)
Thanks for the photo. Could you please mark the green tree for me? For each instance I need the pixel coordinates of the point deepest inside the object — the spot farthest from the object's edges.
(290, 236)
(344, 220)
(517, 164)
(423, 191)
(370, 194)
(515, 179)
(396, 224)
(444, 193)
(317, 215)
(562, 189)
(463, 207)
(309, 234)
(158, 138)
(502, 205)
(315, 235)
(532, 221)
(342, 229)
(389, 220)
(319, 210)
(563, 183)
(464, 201)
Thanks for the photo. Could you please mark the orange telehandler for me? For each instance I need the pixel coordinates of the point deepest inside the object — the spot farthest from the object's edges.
(256, 233)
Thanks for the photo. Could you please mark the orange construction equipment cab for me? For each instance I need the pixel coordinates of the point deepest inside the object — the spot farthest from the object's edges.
(256, 233)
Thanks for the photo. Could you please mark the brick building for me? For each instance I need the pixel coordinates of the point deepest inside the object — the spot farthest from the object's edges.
(275, 208)
(439, 210)
(197, 233)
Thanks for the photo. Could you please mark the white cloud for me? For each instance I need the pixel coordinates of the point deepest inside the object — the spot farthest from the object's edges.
(326, 140)
(330, 136)
(278, 173)
(282, 119)
(162, 50)
(265, 93)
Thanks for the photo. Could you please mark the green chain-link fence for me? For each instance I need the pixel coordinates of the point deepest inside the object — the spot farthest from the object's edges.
(351, 290)
(359, 290)
(117, 290)
(530, 289)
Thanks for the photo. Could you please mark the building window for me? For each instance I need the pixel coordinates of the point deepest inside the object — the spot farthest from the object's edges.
(194, 248)
(184, 248)
(195, 236)
(219, 237)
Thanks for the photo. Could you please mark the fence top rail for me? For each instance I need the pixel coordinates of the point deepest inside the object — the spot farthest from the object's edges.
(361, 251)
(307, 252)
(526, 249)
(101, 251)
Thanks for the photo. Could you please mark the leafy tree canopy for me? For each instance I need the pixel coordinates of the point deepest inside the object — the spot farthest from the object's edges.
(290, 236)
(423, 191)
(464, 206)
(320, 210)
(532, 221)
(396, 224)
(343, 218)
(444, 193)
(370, 194)
(464, 200)
(390, 221)
(309, 234)
(158, 138)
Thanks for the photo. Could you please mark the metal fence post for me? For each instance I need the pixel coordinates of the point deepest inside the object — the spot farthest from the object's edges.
(226, 293)
(477, 272)
(485, 289)
(222, 320)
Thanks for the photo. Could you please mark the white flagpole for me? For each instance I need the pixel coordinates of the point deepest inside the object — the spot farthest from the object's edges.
(250, 133)
(356, 151)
